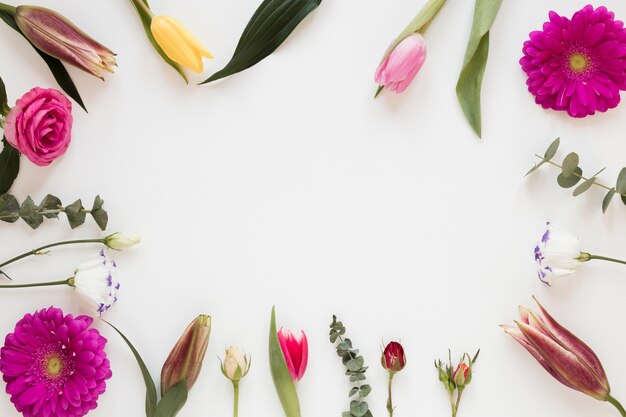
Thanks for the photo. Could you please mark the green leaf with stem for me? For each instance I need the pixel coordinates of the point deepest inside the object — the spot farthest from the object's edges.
(570, 163)
(551, 151)
(173, 401)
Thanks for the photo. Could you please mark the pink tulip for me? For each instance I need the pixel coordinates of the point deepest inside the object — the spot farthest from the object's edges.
(397, 71)
(296, 351)
(568, 359)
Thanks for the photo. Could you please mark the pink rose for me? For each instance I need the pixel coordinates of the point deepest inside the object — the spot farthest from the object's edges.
(40, 125)
(397, 71)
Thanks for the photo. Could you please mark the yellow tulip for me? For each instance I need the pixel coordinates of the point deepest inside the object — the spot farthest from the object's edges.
(178, 43)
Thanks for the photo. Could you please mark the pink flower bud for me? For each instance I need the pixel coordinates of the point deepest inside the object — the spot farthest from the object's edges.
(460, 375)
(393, 358)
(296, 352)
(397, 71)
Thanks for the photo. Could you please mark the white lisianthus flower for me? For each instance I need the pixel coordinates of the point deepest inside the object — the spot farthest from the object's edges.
(96, 281)
(236, 364)
(121, 241)
(558, 254)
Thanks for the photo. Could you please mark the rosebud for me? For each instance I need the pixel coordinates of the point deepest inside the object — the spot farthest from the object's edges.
(393, 358)
(461, 374)
(53, 34)
(121, 241)
(178, 43)
(236, 364)
(185, 360)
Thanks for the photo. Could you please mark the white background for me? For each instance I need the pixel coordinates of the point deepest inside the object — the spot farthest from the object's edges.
(288, 184)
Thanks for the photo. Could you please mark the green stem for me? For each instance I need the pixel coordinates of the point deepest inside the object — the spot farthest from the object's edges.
(618, 406)
(389, 399)
(51, 245)
(604, 258)
(452, 404)
(236, 401)
(458, 401)
(41, 284)
(141, 6)
(7, 8)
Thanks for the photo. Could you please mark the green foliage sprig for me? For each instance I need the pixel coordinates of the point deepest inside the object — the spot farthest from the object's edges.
(571, 174)
(355, 369)
(49, 208)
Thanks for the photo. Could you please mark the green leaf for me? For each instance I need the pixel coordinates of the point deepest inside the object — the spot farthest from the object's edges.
(584, 186)
(146, 20)
(621, 182)
(75, 214)
(9, 166)
(9, 208)
(533, 169)
(100, 215)
(268, 28)
(353, 391)
(607, 200)
(151, 395)
(50, 202)
(173, 401)
(356, 364)
(471, 78)
(285, 387)
(346, 414)
(551, 151)
(56, 67)
(570, 163)
(358, 409)
(365, 390)
(572, 180)
(28, 213)
(4, 100)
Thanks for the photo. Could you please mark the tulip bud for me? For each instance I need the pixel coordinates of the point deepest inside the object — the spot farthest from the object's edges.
(393, 358)
(185, 360)
(236, 364)
(178, 43)
(120, 241)
(295, 349)
(53, 34)
(397, 71)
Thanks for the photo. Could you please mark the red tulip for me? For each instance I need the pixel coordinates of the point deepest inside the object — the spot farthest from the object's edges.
(393, 359)
(295, 350)
(568, 359)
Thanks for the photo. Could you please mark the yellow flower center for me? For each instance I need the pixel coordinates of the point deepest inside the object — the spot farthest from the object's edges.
(54, 365)
(578, 62)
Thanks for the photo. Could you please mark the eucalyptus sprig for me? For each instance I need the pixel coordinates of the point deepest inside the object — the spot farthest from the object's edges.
(49, 208)
(571, 174)
(355, 369)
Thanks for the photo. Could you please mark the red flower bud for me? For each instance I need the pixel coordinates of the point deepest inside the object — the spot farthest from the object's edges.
(393, 358)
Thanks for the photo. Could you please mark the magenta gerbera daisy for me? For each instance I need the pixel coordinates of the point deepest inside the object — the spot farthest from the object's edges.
(577, 64)
(54, 365)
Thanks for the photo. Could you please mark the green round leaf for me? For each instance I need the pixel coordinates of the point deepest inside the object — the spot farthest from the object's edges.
(572, 180)
(551, 151)
(570, 163)
(621, 182)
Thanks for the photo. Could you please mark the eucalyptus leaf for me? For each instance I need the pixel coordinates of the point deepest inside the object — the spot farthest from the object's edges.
(570, 163)
(75, 214)
(50, 202)
(621, 182)
(268, 28)
(285, 387)
(533, 169)
(9, 166)
(365, 390)
(9, 208)
(470, 80)
(56, 66)
(151, 394)
(584, 186)
(607, 200)
(353, 391)
(551, 151)
(572, 180)
(173, 401)
(100, 216)
(355, 364)
(358, 409)
(28, 213)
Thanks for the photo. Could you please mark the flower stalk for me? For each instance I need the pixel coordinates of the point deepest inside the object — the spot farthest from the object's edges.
(236, 399)
(389, 396)
(69, 281)
(617, 405)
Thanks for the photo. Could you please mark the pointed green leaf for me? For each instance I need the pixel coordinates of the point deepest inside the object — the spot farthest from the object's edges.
(75, 214)
(607, 200)
(572, 180)
(551, 151)
(533, 169)
(50, 202)
(285, 387)
(570, 163)
(9, 208)
(173, 401)
(9, 166)
(584, 186)
(100, 215)
(268, 28)
(353, 391)
(471, 78)
(4, 100)
(621, 182)
(151, 395)
(28, 213)
(146, 20)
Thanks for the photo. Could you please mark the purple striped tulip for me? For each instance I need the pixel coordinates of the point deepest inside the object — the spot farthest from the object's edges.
(568, 359)
(53, 34)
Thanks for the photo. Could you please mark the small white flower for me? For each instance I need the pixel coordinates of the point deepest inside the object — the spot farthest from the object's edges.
(558, 254)
(121, 241)
(96, 281)
(236, 364)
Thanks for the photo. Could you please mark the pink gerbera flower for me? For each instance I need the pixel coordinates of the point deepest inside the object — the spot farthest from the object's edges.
(54, 365)
(577, 65)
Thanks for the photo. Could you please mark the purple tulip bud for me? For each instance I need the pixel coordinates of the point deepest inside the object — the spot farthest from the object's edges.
(53, 34)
